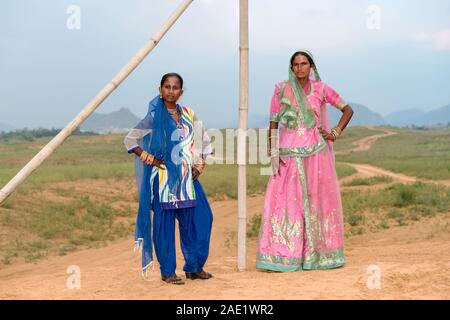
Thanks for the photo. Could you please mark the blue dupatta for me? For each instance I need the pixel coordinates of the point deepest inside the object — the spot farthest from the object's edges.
(165, 142)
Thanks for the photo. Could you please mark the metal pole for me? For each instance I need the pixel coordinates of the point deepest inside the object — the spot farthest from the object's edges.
(92, 105)
(242, 135)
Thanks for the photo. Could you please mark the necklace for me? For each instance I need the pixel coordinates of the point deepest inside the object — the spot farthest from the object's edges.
(175, 116)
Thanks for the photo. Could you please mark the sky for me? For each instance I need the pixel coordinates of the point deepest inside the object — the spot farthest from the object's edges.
(388, 55)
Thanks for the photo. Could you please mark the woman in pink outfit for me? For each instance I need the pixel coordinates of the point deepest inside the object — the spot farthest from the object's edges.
(302, 222)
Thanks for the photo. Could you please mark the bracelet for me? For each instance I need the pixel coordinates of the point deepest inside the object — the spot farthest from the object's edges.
(150, 158)
(273, 153)
(336, 132)
(333, 135)
(144, 155)
(339, 130)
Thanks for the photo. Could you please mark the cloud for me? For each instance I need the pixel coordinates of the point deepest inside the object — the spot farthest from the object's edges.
(439, 40)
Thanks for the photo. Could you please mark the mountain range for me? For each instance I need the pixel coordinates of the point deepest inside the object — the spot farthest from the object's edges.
(123, 120)
(362, 116)
(115, 122)
(409, 117)
(365, 116)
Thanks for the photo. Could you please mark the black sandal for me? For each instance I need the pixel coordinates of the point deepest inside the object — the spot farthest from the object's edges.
(198, 275)
(174, 279)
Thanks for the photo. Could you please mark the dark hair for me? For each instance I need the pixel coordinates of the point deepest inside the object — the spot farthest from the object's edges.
(172, 74)
(311, 61)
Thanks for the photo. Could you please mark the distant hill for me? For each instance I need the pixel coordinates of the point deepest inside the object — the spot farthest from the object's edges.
(440, 116)
(4, 127)
(410, 117)
(119, 121)
(365, 116)
(405, 117)
(362, 116)
(123, 120)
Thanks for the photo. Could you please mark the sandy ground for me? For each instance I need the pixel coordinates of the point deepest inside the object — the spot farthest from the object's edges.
(409, 262)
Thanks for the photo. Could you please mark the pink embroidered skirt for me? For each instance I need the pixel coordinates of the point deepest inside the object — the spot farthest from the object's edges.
(302, 221)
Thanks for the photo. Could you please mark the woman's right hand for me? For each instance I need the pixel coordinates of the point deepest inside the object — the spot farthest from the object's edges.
(277, 162)
(148, 159)
(158, 163)
(326, 135)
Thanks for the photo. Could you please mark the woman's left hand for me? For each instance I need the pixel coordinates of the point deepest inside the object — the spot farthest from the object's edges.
(195, 173)
(326, 135)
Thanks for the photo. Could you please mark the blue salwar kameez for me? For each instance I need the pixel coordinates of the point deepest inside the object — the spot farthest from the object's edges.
(195, 232)
(171, 193)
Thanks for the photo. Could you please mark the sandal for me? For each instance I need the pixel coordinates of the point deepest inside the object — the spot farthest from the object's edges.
(173, 279)
(198, 275)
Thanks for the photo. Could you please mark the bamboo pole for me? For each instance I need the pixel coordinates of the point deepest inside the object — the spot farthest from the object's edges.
(45, 152)
(242, 135)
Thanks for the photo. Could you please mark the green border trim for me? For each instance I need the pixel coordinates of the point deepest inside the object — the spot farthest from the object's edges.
(321, 261)
(304, 151)
(277, 267)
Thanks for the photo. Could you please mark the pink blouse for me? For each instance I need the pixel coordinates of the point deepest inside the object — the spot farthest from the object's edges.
(302, 141)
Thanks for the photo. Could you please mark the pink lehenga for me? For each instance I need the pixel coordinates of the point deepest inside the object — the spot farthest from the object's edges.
(302, 221)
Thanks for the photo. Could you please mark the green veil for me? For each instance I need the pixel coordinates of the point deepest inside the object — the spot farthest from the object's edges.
(295, 106)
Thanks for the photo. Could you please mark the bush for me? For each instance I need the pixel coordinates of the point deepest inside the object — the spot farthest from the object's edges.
(404, 195)
(254, 226)
(354, 219)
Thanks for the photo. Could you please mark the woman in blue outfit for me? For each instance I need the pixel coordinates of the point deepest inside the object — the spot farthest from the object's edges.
(171, 146)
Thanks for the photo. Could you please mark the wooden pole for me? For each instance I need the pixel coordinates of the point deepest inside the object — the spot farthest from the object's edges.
(242, 135)
(92, 105)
